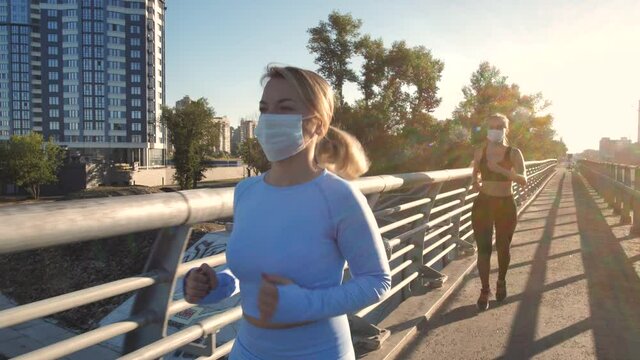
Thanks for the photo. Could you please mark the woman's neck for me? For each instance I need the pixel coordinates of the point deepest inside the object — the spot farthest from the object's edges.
(297, 169)
(494, 144)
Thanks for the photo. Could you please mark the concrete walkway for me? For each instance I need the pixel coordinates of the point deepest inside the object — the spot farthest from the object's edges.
(574, 289)
(36, 334)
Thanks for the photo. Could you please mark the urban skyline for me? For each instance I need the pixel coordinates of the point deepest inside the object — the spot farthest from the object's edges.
(87, 73)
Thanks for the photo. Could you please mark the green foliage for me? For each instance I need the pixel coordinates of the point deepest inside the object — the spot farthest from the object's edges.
(530, 131)
(29, 162)
(399, 86)
(252, 155)
(194, 135)
(334, 43)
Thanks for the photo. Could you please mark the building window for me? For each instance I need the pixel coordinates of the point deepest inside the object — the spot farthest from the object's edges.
(70, 51)
(70, 88)
(70, 25)
(54, 101)
(136, 102)
(135, 66)
(52, 25)
(71, 76)
(136, 115)
(53, 87)
(136, 138)
(71, 63)
(70, 38)
(72, 126)
(53, 63)
(136, 90)
(71, 101)
(136, 127)
(136, 78)
(52, 37)
(54, 113)
(54, 75)
(135, 29)
(54, 125)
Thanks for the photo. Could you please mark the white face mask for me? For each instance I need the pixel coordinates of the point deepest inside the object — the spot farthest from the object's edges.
(280, 135)
(496, 135)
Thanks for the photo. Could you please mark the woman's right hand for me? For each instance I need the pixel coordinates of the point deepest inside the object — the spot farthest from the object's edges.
(199, 282)
(475, 186)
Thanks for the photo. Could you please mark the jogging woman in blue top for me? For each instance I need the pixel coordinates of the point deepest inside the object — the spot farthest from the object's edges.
(294, 228)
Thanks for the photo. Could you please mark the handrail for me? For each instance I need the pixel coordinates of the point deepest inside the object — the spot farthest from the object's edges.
(416, 239)
(619, 185)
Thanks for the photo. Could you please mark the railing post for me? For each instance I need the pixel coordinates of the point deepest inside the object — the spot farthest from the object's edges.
(464, 247)
(617, 201)
(429, 276)
(605, 180)
(165, 257)
(636, 203)
(625, 197)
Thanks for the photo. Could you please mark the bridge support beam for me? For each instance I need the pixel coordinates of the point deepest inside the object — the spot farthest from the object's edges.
(165, 258)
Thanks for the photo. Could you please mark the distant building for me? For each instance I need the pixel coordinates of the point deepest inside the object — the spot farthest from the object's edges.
(247, 129)
(235, 140)
(88, 74)
(609, 147)
(224, 145)
(620, 151)
(183, 102)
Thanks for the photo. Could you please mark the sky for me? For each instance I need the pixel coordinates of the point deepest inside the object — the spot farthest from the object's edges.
(583, 56)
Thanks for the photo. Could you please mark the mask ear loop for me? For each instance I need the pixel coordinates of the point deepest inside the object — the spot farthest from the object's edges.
(325, 138)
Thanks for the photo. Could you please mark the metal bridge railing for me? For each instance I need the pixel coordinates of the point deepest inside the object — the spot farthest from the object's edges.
(619, 185)
(423, 218)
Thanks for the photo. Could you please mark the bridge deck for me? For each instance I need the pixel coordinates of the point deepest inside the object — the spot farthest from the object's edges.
(574, 288)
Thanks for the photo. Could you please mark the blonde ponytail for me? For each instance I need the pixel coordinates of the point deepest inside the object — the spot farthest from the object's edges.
(337, 151)
(341, 153)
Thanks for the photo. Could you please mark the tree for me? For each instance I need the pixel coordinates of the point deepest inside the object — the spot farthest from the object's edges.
(194, 135)
(29, 162)
(488, 93)
(334, 43)
(372, 74)
(252, 155)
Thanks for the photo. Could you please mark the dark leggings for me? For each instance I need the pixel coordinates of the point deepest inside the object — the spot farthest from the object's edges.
(489, 211)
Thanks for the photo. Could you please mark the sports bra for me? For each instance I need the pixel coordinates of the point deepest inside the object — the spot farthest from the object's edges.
(487, 174)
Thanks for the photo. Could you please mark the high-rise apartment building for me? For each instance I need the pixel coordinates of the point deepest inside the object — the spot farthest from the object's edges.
(247, 129)
(87, 73)
(224, 144)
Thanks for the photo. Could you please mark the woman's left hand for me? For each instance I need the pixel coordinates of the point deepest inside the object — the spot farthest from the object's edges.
(517, 178)
(268, 295)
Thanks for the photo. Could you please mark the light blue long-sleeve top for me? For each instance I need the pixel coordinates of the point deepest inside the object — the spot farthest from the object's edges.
(304, 233)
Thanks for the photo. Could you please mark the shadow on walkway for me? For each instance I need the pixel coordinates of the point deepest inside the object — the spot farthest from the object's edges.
(523, 329)
(614, 286)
